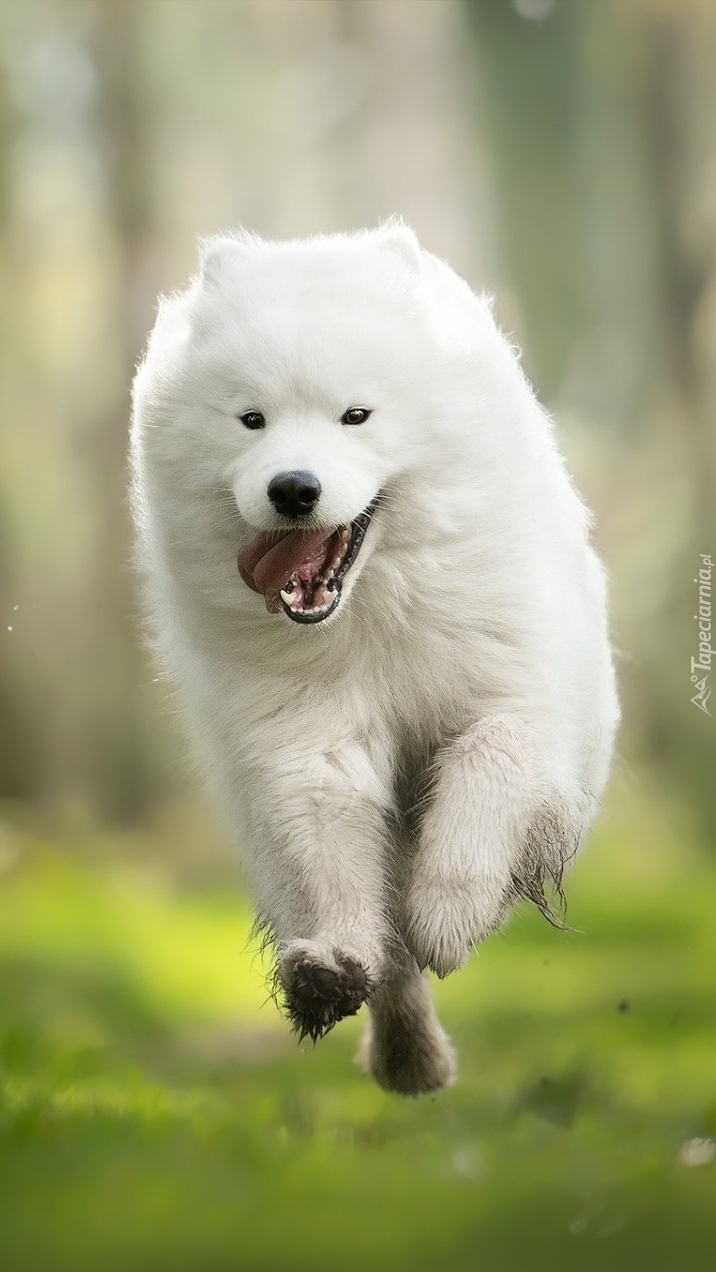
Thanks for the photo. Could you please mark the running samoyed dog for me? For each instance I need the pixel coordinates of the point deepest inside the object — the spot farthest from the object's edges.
(371, 576)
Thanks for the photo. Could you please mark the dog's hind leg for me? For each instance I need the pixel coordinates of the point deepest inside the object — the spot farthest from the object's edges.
(405, 1049)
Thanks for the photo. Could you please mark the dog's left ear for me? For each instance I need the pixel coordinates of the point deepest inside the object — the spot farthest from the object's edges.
(221, 252)
(402, 241)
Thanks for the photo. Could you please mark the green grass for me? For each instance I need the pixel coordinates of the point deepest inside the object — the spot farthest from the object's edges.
(154, 1112)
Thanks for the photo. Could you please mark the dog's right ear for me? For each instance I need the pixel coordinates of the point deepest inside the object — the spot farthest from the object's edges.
(223, 252)
(397, 237)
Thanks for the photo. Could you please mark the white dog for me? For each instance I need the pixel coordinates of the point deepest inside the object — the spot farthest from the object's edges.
(403, 695)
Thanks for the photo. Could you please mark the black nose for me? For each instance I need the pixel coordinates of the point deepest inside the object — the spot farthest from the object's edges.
(294, 494)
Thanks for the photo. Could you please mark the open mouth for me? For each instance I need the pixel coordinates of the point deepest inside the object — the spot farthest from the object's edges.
(302, 571)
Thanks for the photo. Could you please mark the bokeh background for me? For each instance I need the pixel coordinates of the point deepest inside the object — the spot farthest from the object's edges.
(153, 1109)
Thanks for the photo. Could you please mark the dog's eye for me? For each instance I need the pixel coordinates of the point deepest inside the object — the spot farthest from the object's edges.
(253, 419)
(355, 415)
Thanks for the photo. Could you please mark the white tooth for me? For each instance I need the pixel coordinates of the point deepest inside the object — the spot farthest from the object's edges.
(345, 535)
(287, 597)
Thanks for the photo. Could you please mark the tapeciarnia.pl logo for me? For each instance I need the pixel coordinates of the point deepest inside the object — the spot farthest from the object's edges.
(703, 618)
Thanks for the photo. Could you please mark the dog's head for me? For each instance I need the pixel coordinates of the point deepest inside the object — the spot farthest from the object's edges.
(299, 376)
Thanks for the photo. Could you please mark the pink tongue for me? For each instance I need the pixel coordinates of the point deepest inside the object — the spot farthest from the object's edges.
(267, 563)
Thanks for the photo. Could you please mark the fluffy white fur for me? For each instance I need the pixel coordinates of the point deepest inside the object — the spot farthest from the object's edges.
(398, 774)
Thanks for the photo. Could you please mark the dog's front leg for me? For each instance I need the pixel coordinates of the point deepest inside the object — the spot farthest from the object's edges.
(499, 824)
(316, 857)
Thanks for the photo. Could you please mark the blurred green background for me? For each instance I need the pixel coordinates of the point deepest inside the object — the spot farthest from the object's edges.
(153, 1109)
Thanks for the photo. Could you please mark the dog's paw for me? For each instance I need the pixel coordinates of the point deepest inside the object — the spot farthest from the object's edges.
(320, 989)
(406, 1060)
(445, 919)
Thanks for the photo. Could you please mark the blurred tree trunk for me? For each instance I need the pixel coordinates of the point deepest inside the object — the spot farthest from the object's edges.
(22, 756)
(674, 91)
(119, 759)
(527, 91)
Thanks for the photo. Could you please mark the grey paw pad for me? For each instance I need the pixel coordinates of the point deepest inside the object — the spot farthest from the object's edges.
(317, 997)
